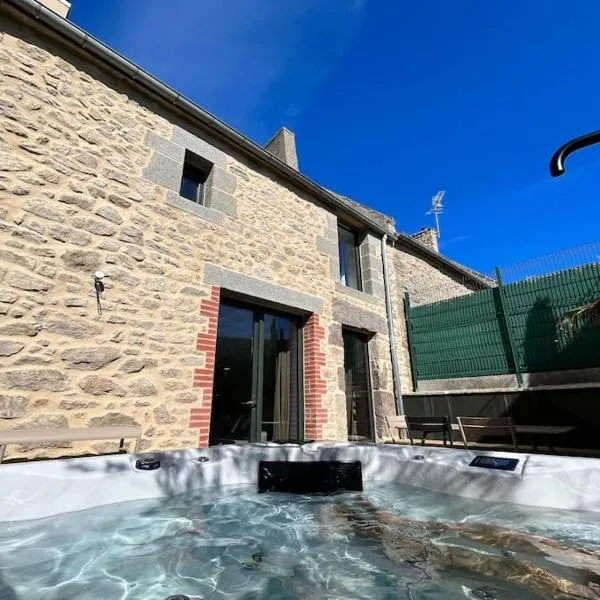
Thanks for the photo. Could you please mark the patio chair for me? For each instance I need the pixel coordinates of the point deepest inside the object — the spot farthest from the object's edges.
(493, 426)
(427, 425)
(396, 422)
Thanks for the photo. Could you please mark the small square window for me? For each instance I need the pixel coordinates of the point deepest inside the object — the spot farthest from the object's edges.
(195, 173)
(348, 246)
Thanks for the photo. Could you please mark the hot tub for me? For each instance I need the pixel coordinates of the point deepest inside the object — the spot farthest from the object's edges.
(427, 525)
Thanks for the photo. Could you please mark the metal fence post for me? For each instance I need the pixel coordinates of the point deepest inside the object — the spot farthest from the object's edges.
(509, 333)
(409, 342)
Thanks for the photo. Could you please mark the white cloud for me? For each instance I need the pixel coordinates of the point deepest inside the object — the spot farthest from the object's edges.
(238, 57)
(455, 240)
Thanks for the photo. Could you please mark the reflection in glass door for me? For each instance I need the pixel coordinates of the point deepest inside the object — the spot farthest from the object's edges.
(232, 404)
(358, 389)
(278, 412)
(256, 392)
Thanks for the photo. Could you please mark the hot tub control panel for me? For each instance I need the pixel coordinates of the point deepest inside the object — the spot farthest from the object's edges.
(148, 463)
(500, 463)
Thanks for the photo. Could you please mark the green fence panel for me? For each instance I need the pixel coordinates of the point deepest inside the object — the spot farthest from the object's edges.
(467, 336)
(462, 337)
(535, 309)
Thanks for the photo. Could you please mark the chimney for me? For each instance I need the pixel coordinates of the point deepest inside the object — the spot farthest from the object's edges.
(283, 147)
(60, 7)
(428, 237)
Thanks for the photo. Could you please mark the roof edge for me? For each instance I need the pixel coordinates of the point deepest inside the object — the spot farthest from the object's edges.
(88, 43)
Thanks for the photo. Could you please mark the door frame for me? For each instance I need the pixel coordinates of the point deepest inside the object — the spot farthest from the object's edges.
(366, 339)
(256, 395)
(259, 310)
(372, 427)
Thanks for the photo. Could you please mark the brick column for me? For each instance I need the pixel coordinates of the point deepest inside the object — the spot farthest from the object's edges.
(315, 413)
(204, 376)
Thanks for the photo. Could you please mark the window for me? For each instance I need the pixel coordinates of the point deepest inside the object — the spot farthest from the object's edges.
(349, 258)
(195, 173)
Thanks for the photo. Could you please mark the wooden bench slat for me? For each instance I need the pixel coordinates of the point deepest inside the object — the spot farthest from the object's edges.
(398, 422)
(75, 434)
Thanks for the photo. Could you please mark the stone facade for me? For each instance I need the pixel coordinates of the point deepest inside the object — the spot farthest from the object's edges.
(90, 169)
(425, 281)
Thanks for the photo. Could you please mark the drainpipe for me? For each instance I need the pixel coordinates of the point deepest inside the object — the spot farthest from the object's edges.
(391, 331)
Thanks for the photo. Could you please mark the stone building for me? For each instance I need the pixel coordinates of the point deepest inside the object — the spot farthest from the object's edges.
(241, 302)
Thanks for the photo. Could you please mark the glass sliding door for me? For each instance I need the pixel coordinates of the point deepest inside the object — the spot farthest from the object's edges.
(232, 404)
(279, 408)
(359, 405)
(256, 394)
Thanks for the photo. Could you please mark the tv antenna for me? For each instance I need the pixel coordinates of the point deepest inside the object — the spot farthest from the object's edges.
(437, 209)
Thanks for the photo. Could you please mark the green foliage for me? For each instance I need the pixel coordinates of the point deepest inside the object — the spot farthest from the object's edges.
(574, 320)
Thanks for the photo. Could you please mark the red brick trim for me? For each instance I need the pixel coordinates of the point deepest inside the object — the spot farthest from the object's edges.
(203, 377)
(315, 413)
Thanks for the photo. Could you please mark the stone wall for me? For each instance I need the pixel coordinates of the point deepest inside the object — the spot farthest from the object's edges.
(72, 201)
(365, 313)
(425, 282)
(90, 169)
(87, 168)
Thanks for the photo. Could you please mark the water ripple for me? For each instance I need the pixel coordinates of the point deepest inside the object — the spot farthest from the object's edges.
(242, 546)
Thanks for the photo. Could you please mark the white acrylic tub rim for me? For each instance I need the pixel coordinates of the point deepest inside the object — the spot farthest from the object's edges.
(40, 489)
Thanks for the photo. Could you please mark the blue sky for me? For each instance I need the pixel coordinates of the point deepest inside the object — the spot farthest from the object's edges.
(392, 100)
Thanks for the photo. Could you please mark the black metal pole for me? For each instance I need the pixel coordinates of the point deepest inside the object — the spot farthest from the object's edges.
(509, 333)
(409, 341)
(557, 162)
